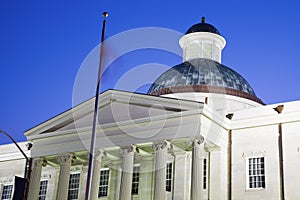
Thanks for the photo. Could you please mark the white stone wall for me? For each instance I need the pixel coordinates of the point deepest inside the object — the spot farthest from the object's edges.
(11, 168)
(252, 142)
(291, 156)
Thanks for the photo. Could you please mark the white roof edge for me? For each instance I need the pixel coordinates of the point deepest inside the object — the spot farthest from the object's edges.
(10, 151)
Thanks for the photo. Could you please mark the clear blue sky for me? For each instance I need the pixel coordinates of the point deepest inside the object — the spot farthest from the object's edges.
(43, 43)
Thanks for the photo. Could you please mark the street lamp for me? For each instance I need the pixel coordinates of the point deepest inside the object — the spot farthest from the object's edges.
(27, 166)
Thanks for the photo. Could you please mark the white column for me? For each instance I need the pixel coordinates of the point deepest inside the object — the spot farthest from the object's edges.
(197, 170)
(96, 174)
(218, 175)
(160, 169)
(1, 189)
(35, 178)
(127, 167)
(64, 176)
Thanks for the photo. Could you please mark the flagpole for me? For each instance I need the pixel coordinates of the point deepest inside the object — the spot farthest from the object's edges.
(95, 119)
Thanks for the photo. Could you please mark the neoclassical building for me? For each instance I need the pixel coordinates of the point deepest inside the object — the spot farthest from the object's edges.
(199, 133)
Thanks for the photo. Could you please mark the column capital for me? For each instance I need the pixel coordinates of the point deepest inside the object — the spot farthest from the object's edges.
(196, 140)
(127, 149)
(161, 145)
(66, 158)
(39, 162)
(99, 154)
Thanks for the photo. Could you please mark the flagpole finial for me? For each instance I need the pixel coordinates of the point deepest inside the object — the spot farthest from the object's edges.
(105, 14)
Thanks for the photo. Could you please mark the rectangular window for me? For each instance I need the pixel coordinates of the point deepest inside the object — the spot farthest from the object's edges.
(7, 192)
(256, 172)
(74, 183)
(217, 54)
(194, 50)
(43, 190)
(207, 50)
(169, 177)
(135, 180)
(104, 183)
(204, 173)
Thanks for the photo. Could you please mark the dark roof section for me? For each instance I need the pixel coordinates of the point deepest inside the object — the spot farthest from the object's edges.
(202, 72)
(203, 27)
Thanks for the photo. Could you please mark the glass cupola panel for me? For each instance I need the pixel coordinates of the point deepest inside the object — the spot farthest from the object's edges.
(201, 49)
(207, 50)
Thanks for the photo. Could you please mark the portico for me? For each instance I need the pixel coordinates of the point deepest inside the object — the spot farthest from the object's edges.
(162, 133)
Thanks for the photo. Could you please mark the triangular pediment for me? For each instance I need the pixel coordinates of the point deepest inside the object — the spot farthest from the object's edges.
(114, 107)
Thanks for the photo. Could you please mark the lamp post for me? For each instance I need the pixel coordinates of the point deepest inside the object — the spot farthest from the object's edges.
(27, 166)
(95, 119)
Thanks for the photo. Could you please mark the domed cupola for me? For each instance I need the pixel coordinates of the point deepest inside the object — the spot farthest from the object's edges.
(202, 40)
(203, 27)
(201, 74)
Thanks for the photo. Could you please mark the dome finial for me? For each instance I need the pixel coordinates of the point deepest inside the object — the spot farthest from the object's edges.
(203, 20)
(105, 14)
